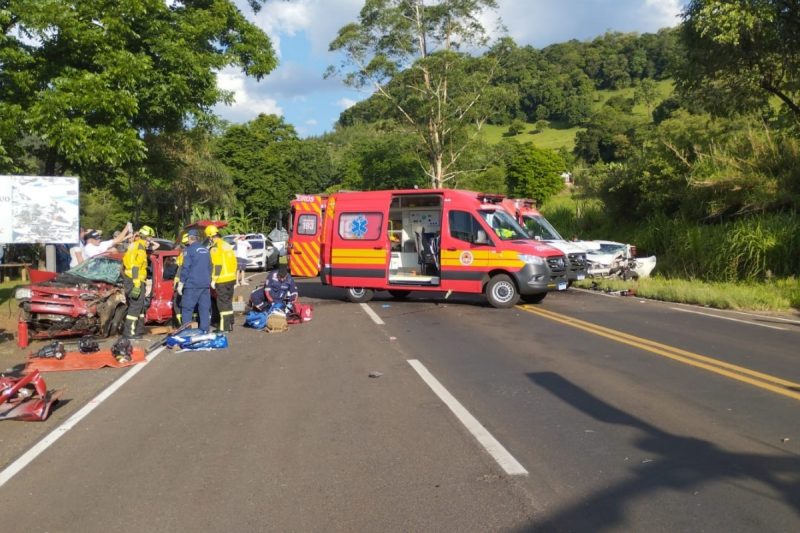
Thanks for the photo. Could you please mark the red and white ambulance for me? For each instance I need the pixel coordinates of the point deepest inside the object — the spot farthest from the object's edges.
(430, 240)
(539, 228)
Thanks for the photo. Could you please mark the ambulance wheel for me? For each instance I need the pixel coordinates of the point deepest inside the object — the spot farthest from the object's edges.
(359, 294)
(534, 298)
(501, 292)
(399, 294)
(114, 325)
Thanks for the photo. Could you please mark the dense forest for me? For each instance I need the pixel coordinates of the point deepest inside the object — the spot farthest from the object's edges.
(685, 141)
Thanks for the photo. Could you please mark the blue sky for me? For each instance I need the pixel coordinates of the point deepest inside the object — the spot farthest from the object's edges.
(302, 29)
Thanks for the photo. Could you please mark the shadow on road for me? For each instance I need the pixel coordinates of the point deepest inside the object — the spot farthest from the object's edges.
(312, 288)
(679, 464)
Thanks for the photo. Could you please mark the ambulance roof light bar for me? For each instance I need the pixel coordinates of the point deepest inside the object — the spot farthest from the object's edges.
(490, 198)
(525, 202)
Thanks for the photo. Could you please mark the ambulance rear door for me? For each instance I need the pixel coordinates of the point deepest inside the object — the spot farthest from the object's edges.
(303, 248)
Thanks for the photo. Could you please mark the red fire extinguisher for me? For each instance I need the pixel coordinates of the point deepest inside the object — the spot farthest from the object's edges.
(22, 334)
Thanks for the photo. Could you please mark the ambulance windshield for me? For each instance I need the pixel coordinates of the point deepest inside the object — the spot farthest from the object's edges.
(540, 229)
(503, 224)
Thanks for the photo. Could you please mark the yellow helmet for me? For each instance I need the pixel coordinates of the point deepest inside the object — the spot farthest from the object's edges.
(211, 230)
(146, 231)
(185, 238)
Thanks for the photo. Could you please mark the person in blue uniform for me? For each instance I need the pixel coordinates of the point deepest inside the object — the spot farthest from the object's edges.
(280, 287)
(195, 282)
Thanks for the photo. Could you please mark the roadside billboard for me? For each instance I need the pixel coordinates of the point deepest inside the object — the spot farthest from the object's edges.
(39, 209)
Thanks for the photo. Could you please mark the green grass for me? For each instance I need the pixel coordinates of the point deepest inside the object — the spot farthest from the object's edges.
(774, 296)
(557, 135)
(552, 137)
(7, 290)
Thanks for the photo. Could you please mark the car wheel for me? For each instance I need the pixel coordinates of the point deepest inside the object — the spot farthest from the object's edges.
(399, 294)
(115, 324)
(533, 298)
(359, 294)
(502, 292)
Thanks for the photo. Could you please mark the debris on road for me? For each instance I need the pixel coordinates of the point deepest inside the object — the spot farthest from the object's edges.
(375, 374)
(26, 398)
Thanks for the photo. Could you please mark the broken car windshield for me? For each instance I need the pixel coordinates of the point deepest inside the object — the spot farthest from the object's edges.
(102, 269)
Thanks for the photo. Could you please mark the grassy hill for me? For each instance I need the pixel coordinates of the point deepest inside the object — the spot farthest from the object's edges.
(558, 135)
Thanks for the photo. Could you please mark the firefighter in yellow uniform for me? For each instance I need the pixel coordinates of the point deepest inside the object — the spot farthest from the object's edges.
(176, 295)
(223, 276)
(133, 281)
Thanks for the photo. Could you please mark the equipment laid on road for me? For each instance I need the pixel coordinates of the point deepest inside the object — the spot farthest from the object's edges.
(276, 322)
(88, 344)
(163, 339)
(122, 350)
(54, 350)
(255, 319)
(26, 398)
(196, 339)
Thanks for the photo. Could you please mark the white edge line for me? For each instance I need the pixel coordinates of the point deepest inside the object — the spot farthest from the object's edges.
(727, 318)
(511, 466)
(38, 448)
(372, 314)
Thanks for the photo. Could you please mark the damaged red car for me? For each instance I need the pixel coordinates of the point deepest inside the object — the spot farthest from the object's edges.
(89, 300)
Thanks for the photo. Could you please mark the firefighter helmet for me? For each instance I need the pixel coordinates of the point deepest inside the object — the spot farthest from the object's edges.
(211, 230)
(146, 231)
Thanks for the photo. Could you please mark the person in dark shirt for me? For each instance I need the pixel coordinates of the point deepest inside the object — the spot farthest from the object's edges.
(195, 282)
(280, 287)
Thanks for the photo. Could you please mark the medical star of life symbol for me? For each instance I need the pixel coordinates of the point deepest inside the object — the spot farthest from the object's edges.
(359, 227)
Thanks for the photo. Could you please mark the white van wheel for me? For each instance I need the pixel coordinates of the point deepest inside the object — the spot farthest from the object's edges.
(501, 292)
(359, 294)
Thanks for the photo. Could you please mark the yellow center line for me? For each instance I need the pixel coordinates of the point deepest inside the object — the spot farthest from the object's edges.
(745, 375)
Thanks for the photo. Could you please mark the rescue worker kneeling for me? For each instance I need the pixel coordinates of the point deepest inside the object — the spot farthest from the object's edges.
(280, 287)
(133, 282)
(223, 276)
(195, 281)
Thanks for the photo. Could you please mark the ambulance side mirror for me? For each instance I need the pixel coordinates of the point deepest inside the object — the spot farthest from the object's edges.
(481, 238)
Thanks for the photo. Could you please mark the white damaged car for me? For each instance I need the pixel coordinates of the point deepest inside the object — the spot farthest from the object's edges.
(615, 259)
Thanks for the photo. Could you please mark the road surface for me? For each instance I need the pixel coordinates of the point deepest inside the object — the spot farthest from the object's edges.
(584, 413)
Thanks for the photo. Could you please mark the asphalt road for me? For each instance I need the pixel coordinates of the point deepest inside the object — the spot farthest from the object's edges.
(626, 415)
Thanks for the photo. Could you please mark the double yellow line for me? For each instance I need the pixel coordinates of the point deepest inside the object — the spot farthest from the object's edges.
(745, 375)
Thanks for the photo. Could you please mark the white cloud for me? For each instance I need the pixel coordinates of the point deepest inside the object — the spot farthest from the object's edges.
(311, 122)
(344, 103)
(247, 104)
(665, 12)
(543, 22)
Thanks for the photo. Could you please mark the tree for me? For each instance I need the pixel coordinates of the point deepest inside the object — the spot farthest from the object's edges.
(261, 155)
(534, 172)
(646, 93)
(442, 90)
(182, 173)
(739, 54)
(92, 79)
(517, 126)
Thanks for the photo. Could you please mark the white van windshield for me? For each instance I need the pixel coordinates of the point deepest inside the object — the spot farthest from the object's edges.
(539, 228)
(503, 224)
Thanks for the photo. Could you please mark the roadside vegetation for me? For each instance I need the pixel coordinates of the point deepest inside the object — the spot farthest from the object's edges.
(778, 296)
